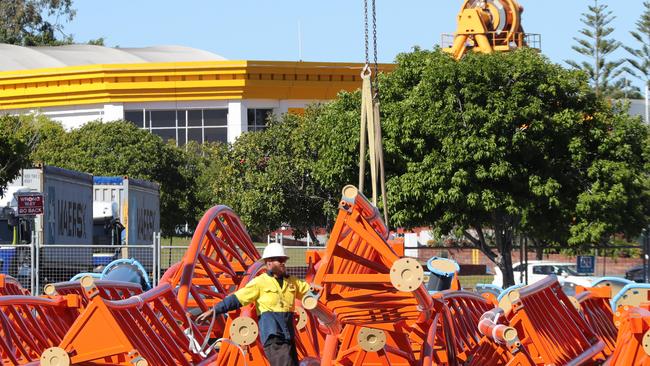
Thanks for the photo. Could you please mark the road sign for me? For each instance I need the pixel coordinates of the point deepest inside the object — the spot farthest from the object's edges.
(586, 264)
(29, 204)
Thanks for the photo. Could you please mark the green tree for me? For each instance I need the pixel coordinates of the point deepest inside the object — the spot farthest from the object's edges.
(596, 46)
(639, 62)
(615, 195)
(120, 148)
(14, 150)
(19, 137)
(265, 177)
(35, 22)
(495, 145)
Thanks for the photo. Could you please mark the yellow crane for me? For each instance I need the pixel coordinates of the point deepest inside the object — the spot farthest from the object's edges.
(487, 26)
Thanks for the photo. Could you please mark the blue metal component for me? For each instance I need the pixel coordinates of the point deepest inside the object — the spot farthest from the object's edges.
(439, 278)
(78, 276)
(103, 259)
(108, 180)
(628, 287)
(440, 272)
(482, 288)
(127, 270)
(6, 255)
(122, 270)
(507, 291)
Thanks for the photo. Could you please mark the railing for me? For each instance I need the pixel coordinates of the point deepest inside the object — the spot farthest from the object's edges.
(36, 265)
(513, 40)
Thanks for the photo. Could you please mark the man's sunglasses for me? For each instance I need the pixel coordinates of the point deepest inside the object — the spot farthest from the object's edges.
(277, 259)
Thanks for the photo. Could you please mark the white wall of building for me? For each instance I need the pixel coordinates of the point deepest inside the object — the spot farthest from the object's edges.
(113, 112)
(237, 119)
(72, 117)
(637, 107)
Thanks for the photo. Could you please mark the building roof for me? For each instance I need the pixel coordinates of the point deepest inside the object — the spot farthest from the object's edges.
(14, 57)
(73, 75)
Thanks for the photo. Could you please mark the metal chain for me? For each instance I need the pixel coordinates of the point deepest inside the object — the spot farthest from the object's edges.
(365, 22)
(374, 44)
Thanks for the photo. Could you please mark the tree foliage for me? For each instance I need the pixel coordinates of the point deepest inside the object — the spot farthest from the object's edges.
(120, 148)
(639, 62)
(493, 146)
(34, 22)
(14, 150)
(19, 137)
(265, 177)
(597, 46)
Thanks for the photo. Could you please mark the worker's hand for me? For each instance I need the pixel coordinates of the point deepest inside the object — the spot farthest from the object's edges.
(206, 316)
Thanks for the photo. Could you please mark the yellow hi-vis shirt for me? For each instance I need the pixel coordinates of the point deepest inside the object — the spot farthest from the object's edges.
(274, 304)
(265, 291)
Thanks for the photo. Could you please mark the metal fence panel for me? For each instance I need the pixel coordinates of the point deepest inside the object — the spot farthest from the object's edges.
(50, 269)
(17, 261)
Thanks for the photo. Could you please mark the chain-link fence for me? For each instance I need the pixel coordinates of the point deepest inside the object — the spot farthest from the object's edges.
(37, 265)
(17, 261)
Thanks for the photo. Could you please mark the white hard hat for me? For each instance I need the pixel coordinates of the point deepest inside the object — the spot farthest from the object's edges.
(274, 250)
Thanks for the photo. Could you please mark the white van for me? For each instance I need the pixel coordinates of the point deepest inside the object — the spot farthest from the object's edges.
(537, 270)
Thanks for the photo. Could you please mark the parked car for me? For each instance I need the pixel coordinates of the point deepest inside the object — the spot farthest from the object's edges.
(635, 274)
(537, 270)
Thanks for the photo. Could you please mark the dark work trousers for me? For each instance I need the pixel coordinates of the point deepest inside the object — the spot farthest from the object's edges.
(280, 352)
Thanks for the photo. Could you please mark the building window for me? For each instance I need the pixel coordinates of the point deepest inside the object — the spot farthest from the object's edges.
(162, 119)
(166, 133)
(258, 117)
(200, 125)
(215, 117)
(135, 117)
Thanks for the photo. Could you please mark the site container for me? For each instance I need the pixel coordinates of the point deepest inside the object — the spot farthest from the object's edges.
(126, 211)
(66, 219)
(136, 203)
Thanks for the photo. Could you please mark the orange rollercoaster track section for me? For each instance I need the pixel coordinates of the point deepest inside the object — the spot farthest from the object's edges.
(84, 288)
(10, 286)
(29, 325)
(155, 327)
(549, 327)
(454, 337)
(144, 329)
(597, 311)
(367, 296)
(633, 342)
(218, 256)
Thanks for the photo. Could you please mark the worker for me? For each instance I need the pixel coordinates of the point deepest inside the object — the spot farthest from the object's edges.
(274, 294)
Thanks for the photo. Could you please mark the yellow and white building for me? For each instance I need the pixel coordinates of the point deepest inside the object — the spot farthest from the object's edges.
(176, 92)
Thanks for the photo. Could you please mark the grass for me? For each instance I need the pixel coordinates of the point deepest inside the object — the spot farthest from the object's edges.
(469, 282)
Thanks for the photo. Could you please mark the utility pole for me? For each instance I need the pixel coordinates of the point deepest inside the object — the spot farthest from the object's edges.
(647, 108)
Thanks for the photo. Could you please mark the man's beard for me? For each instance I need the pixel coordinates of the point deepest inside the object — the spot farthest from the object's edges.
(279, 272)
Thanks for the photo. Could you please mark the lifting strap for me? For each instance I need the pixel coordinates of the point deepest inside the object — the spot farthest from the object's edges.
(370, 130)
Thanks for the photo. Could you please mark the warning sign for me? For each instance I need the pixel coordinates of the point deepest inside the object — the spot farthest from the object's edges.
(30, 204)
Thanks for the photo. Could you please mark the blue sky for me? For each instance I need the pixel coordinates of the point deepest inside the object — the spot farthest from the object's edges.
(331, 30)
